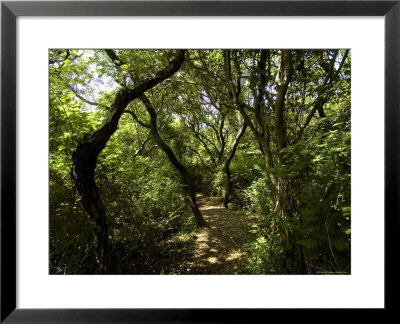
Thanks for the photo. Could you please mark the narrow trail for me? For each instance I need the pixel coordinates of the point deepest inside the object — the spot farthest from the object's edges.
(220, 249)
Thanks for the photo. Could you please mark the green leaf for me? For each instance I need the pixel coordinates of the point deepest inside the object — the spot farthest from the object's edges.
(339, 243)
(303, 152)
(309, 243)
(346, 211)
(261, 240)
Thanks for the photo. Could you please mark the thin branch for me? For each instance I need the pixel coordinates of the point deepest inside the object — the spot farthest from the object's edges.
(323, 97)
(114, 57)
(142, 146)
(201, 160)
(130, 112)
(238, 103)
(92, 103)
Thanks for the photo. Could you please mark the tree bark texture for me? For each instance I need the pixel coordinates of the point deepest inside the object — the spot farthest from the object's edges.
(88, 149)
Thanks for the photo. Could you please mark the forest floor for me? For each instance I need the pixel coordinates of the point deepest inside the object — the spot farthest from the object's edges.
(220, 248)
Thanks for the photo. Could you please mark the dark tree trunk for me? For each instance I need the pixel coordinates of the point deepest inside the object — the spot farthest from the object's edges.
(88, 149)
(190, 196)
(84, 163)
(294, 261)
(283, 84)
(228, 160)
(229, 185)
(189, 190)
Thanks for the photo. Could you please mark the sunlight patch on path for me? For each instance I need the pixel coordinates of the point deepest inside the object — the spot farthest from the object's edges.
(220, 249)
(235, 255)
(212, 260)
(212, 207)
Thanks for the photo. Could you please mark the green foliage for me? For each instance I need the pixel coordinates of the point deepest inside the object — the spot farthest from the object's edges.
(266, 253)
(147, 215)
(259, 197)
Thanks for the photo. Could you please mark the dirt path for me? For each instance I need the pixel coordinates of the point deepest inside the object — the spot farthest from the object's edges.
(219, 249)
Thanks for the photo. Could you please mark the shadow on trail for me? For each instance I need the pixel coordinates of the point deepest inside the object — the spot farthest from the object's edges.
(219, 249)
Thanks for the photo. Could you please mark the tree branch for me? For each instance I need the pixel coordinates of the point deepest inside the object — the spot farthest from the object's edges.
(322, 97)
(142, 146)
(92, 103)
(130, 112)
(114, 57)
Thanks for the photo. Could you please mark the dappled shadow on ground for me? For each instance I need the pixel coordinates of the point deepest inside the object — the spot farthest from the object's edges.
(169, 257)
(219, 249)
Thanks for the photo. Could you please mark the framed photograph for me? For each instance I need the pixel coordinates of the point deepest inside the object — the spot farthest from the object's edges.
(197, 161)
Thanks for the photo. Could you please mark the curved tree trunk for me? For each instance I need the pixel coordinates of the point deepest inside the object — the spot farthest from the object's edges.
(228, 160)
(84, 164)
(189, 190)
(88, 149)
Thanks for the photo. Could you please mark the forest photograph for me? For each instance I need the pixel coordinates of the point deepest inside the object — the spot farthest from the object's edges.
(200, 161)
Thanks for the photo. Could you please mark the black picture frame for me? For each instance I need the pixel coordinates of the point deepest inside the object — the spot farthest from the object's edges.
(10, 10)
